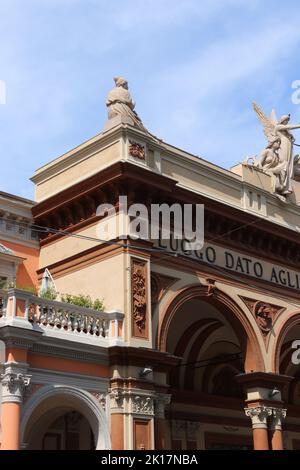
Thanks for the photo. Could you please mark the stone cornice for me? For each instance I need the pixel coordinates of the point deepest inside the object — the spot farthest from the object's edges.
(21, 338)
(263, 379)
(53, 377)
(140, 356)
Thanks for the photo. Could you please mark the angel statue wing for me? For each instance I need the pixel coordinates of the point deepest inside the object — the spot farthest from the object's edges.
(268, 125)
(273, 118)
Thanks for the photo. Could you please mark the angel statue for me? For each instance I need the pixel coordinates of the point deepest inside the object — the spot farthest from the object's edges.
(120, 103)
(277, 158)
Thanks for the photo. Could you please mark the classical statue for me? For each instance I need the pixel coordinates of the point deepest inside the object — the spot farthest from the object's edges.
(120, 103)
(270, 162)
(277, 158)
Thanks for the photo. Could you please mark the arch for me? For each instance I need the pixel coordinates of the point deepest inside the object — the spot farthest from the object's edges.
(239, 321)
(81, 400)
(292, 321)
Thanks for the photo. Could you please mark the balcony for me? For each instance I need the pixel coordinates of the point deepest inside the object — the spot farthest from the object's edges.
(59, 319)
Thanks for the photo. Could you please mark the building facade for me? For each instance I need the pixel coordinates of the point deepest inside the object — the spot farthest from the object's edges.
(192, 350)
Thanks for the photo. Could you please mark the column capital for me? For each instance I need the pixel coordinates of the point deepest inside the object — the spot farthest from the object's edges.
(14, 382)
(13, 387)
(258, 415)
(278, 415)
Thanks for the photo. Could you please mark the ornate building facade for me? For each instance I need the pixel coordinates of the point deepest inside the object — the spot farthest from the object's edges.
(192, 350)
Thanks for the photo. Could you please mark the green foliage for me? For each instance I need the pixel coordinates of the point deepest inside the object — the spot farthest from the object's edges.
(31, 289)
(5, 284)
(98, 305)
(83, 301)
(49, 293)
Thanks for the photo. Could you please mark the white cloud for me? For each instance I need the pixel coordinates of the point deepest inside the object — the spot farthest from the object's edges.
(188, 62)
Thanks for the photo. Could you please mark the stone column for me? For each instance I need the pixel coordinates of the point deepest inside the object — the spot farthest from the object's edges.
(14, 382)
(162, 434)
(276, 429)
(259, 418)
(265, 406)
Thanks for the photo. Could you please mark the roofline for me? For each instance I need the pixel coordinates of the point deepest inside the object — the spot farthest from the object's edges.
(14, 197)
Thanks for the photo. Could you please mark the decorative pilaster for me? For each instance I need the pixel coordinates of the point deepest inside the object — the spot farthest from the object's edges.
(162, 431)
(140, 297)
(132, 408)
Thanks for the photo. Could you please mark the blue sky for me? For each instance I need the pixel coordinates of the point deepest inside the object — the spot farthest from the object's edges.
(193, 67)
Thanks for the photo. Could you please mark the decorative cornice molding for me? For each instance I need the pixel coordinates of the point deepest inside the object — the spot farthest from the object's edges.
(52, 377)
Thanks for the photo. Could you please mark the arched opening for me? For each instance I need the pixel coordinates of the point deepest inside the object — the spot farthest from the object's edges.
(62, 429)
(64, 417)
(284, 359)
(216, 342)
(212, 350)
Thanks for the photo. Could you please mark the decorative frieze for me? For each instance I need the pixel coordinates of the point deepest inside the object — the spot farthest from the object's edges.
(116, 400)
(264, 313)
(136, 150)
(142, 405)
(139, 290)
(132, 401)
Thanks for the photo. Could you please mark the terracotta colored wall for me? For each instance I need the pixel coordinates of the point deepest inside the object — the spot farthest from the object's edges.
(67, 365)
(26, 274)
(117, 431)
